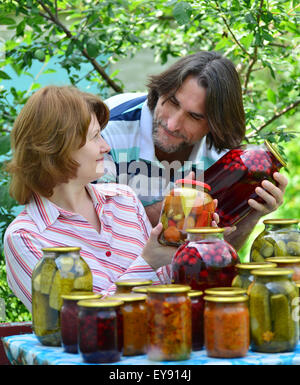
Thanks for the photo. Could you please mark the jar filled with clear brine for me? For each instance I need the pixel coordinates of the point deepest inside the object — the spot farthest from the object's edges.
(188, 206)
(244, 278)
(60, 271)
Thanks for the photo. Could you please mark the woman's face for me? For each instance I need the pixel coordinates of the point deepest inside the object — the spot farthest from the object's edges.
(90, 156)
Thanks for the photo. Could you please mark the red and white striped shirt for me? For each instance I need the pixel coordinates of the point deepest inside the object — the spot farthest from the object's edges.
(113, 254)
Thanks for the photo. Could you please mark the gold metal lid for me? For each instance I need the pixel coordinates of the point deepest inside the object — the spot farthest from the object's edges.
(169, 289)
(140, 289)
(133, 282)
(284, 259)
(129, 297)
(229, 299)
(206, 230)
(277, 271)
(195, 293)
(100, 303)
(81, 295)
(255, 265)
(280, 221)
(297, 283)
(276, 153)
(61, 249)
(225, 291)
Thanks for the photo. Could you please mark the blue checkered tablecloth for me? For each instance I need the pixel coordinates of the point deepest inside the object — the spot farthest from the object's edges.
(26, 349)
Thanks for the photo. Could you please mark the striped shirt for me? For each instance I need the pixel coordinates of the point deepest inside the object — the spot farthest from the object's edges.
(132, 158)
(113, 254)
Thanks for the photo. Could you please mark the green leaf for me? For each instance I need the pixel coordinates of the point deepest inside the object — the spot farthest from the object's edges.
(271, 95)
(92, 47)
(7, 21)
(3, 75)
(247, 40)
(4, 144)
(182, 13)
(39, 54)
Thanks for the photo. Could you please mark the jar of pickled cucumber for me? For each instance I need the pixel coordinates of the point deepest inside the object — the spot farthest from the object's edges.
(205, 260)
(244, 277)
(273, 297)
(69, 318)
(126, 285)
(225, 291)
(98, 330)
(280, 237)
(60, 271)
(226, 326)
(197, 302)
(235, 176)
(290, 263)
(135, 330)
(188, 206)
(169, 323)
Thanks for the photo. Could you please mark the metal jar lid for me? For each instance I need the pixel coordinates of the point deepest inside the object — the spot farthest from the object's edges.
(206, 230)
(276, 153)
(93, 303)
(129, 297)
(195, 293)
(225, 291)
(166, 289)
(255, 265)
(141, 289)
(277, 271)
(78, 296)
(133, 282)
(60, 249)
(284, 259)
(280, 221)
(229, 299)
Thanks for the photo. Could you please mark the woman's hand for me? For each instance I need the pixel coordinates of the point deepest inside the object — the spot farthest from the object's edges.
(155, 254)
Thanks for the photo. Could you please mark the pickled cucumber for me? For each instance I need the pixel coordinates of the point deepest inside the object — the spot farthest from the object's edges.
(293, 248)
(237, 282)
(59, 287)
(266, 249)
(255, 256)
(280, 248)
(260, 313)
(37, 282)
(283, 325)
(47, 273)
(84, 283)
(66, 264)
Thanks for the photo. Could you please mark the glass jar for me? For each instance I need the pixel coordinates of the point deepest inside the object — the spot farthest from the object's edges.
(205, 260)
(290, 263)
(127, 285)
(169, 323)
(280, 237)
(188, 206)
(98, 330)
(69, 318)
(226, 326)
(244, 277)
(225, 291)
(134, 314)
(197, 302)
(235, 176)
(272, 302)
(60, 271)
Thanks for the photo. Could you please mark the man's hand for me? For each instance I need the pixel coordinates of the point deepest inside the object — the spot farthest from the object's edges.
(271, 194)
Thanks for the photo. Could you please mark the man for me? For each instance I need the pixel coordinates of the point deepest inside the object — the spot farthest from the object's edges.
(192, 115)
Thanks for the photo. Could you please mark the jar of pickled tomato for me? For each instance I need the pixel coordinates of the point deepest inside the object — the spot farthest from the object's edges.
(205, 260)
(189, 205)
(226, 326)
(197, 302)
(235, 176)
(169, 323)
(99, 330)
(69, 318)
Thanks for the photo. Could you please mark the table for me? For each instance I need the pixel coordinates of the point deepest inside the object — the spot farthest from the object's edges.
(26, 349)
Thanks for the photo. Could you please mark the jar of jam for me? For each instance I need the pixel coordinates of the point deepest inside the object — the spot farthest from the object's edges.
(205, 260)
(98, 330)
(235, 176)
(280, 237)
(134, 314)
(126, 285)
(225, 291)
(197, 302)
(273, 297)
(226, 326)
(244, 277)
(188, 206)
(69, 318)
(60, 271)
(290, 263)
(169, 323)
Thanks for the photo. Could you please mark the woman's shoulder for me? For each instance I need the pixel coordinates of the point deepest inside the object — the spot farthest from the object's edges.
(22, 222)
(115, 191)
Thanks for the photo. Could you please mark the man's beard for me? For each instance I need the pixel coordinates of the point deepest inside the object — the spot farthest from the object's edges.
(164, 146)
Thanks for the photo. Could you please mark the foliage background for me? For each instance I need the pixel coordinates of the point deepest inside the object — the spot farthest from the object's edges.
(89, 39)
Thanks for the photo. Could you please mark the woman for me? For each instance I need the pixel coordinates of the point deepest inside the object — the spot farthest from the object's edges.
(57, 152)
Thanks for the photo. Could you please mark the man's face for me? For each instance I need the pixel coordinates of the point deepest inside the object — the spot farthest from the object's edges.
(180, 120)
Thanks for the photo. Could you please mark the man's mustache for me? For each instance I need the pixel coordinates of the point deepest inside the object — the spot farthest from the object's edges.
(164, 126)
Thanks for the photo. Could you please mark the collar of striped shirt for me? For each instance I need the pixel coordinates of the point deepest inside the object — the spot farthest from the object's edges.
(44, 213)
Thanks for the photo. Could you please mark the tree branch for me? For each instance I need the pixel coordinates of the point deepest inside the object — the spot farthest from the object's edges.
(274, 117)
(93, 61)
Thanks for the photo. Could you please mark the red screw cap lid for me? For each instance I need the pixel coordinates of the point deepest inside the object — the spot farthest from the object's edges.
(194, 183)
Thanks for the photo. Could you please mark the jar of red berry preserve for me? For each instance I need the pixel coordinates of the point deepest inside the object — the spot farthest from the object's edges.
(235, 176)
(205, 260)
(69, 318)
(197, 302)
(99, 330)
(189, 205)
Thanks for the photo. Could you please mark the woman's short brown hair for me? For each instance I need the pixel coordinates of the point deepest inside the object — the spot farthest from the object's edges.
(224, 102)
(51, 126)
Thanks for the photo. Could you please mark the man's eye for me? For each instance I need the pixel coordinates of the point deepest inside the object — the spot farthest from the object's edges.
(173, 101)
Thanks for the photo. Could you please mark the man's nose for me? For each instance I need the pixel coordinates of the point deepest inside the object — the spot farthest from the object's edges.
(175, 121)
